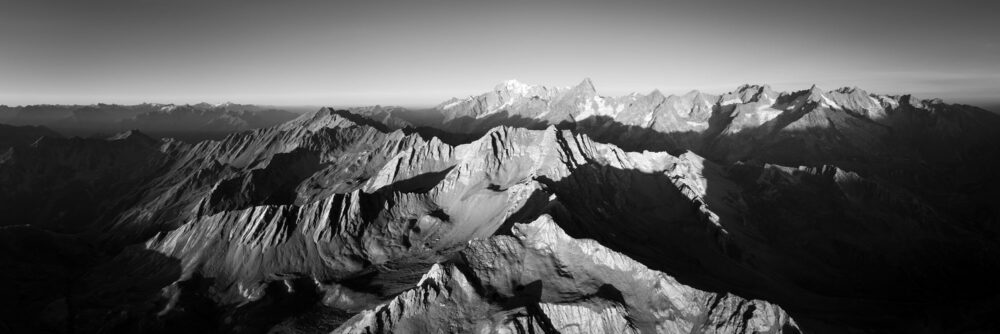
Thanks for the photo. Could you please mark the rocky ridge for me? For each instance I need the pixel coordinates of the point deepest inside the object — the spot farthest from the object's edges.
(367, 221)
(416, 202)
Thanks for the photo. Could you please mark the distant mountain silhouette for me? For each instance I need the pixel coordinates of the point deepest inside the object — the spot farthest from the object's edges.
(186, 122)
(523, 209)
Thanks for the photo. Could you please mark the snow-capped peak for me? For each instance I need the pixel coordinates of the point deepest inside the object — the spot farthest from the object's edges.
(515, 87)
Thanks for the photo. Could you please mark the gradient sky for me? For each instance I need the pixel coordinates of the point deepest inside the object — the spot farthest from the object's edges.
(416, 53)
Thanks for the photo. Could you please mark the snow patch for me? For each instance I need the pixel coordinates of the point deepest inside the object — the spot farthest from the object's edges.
(587, 108)
(771, 100)
(517, 87)
(453, 104)
(731, 101)
(585, 112)
(766, 113)
(830, 103)
(648, 119)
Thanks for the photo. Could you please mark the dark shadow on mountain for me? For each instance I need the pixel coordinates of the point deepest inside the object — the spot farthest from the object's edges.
(189, 306)
(280, 301)
(619, 211)
(274, 184)
(417, 184)
(902, 245)
(66, 185)
(528, 297)
(909, 235)
(360, 120)
(606, 130)
(864, 246)
(54, 283)
(40, 274)
(113, 300)
(602, 129)
(388, 279)
(449, 138)
(425, 132)
(534, 206)
(524, 295)
(867, 258)
(922, 152)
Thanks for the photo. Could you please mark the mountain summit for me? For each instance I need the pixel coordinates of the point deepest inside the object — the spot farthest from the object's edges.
(525, 209)
(697, 121)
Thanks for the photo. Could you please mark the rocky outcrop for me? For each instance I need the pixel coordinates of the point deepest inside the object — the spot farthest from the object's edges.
(845, 125)
(425, 203)
(828, 203)
(541, 280)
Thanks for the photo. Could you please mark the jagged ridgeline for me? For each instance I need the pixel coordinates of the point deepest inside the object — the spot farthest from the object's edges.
(527, 209)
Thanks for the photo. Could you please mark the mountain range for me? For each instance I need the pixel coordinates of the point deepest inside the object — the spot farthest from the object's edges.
(526, 209)
(185, 122)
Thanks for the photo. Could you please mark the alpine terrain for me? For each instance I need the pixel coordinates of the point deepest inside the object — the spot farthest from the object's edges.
(526, 209)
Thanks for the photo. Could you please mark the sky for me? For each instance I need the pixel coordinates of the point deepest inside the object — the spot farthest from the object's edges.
(419, 53)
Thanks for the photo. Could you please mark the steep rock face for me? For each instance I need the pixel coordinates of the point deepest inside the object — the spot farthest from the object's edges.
(443, 301)
(343, 222)
(843, 126)
(312, 159)
(425, 195)
(799, 128)
(813, 241)
(935, 151)
(425, 203)
(771, 269)
(541, 280)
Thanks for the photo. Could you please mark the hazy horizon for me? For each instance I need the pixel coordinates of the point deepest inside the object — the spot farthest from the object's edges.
(306, 107)
(418, 54)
